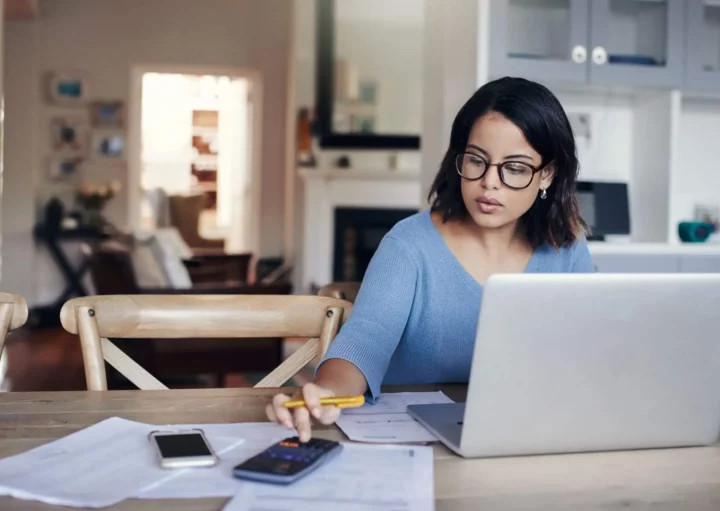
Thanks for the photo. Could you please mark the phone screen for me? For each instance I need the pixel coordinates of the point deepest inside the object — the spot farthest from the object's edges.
(185, 445)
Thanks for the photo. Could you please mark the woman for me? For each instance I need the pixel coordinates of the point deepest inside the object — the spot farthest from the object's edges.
(502, 202)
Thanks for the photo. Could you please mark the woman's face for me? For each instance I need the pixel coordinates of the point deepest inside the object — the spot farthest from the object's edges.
(490, 202)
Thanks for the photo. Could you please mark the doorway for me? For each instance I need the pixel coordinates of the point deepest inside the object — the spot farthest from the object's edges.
(197, 132)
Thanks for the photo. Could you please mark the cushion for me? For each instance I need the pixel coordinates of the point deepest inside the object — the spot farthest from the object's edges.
(174, 241)
(148, 270)
(166, 252)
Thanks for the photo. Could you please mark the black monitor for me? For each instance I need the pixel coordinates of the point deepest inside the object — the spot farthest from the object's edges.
(605, 207)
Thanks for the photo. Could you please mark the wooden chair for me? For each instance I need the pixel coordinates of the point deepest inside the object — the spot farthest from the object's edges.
(341, 290)
(13, 314)
(96, 318)
(185, 215)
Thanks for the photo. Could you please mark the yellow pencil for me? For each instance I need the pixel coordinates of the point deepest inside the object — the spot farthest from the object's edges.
(340, 402)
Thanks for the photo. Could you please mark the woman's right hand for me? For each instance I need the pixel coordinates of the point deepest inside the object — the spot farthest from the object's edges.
(299, 418)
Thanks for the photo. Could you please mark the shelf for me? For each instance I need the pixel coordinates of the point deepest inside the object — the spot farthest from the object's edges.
(599, 247)
(355, 109)
(205, 187)
(359, 174)
(205, 159)
(204, 130)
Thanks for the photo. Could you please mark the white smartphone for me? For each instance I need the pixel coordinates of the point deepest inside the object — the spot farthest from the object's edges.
(182, 449)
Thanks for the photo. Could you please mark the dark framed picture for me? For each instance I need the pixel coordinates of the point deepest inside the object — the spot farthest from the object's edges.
(107, 114)
(64, 169)
(108, 144)
(69, 136)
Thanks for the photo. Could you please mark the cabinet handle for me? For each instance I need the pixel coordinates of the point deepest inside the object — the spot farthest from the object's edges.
(579, 54)
(599, 56)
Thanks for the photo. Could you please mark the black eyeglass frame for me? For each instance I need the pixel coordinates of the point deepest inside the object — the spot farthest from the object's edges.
(500, 166)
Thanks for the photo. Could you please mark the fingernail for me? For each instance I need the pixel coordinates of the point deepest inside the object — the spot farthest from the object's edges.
(288, 424)
(316, 412)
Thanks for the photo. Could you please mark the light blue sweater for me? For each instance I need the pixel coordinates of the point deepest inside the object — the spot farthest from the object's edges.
(415, 317)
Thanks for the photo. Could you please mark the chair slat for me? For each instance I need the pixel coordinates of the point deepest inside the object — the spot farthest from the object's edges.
(184, 316)
(97, 318)
(129, 368)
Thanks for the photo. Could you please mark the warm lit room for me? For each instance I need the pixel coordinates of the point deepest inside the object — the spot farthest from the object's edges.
(363, 254)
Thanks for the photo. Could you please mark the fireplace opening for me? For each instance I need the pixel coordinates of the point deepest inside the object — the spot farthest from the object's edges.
(358, 232)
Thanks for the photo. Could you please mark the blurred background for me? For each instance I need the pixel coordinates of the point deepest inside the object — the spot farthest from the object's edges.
(268, 145)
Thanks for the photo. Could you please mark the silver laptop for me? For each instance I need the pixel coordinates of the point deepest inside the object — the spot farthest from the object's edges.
(588, 362)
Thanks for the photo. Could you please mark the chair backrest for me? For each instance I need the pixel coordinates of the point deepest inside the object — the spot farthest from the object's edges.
(341, 290)
(185, 213)
(95, 318)
(111, 268)
(13, 314)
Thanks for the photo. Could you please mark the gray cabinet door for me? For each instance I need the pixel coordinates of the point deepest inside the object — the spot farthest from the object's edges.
(540, 40)
(637, 43)
(703, 46)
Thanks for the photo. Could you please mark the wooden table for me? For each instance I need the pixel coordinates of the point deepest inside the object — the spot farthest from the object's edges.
(667, 479)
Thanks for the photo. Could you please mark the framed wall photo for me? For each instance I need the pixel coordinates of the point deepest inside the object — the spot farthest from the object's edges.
(69, 136)
(107, 114)
(64, 169)
(67, 87)
(108, 144)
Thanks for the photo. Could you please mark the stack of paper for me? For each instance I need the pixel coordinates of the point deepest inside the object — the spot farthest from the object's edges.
(113, 460)
(96, 467)
(360, 478)
(387, 421)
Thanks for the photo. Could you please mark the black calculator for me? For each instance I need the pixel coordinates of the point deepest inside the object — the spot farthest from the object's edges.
(287, 461)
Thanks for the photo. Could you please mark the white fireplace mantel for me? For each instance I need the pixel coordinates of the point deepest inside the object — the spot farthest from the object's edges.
(327, 189)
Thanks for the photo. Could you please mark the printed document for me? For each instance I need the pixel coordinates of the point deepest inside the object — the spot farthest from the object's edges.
(360, 478)
(387, 421)
(95, 467)
(100, 465)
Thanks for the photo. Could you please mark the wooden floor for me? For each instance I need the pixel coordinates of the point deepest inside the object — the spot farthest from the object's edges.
(50, 359)
(43, 359)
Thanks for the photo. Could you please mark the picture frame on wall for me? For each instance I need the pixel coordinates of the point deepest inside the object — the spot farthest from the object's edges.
(107, 114)
(68, 88)
(108, 145)
(64, 168)
(69, 136)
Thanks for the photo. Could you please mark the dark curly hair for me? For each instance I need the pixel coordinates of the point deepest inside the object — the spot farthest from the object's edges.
(540, 116)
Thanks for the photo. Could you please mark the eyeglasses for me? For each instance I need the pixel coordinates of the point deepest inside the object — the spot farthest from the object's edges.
(514, 174)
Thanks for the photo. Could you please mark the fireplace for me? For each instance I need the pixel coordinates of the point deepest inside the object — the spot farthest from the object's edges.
(358, 232)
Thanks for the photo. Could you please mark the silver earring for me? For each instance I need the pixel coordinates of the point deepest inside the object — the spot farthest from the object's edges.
(543, 193)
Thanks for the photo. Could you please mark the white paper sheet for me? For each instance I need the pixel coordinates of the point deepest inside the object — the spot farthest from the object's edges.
(100, 465)
(218, 481)
(361, 478)
(96, 467)
(387, 421)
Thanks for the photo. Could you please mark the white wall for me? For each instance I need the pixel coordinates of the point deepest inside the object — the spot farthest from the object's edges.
(695, 178)
(2, 123)
(450, 75)
(607, 154)
(301, 95)
(106, 38)
(19, 160)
